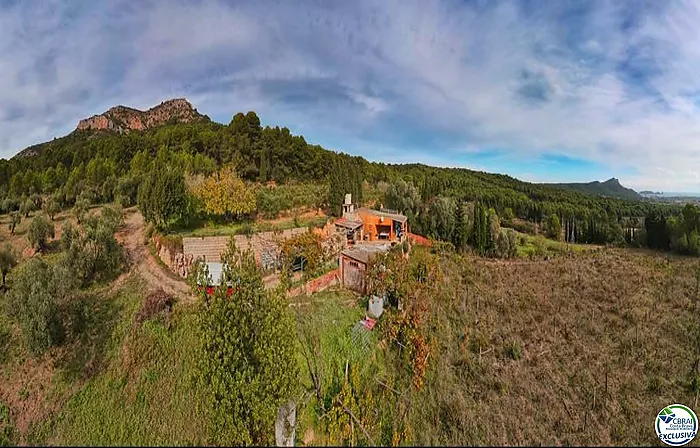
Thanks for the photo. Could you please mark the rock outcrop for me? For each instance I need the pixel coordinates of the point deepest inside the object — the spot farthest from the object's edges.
(123, 119)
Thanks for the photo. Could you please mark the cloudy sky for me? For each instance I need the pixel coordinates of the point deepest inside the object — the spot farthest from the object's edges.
(544, 91)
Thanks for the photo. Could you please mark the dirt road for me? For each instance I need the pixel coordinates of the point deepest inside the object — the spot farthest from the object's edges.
(131, 237)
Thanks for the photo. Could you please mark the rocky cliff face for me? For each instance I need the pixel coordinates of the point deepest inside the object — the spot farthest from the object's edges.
(123, 119)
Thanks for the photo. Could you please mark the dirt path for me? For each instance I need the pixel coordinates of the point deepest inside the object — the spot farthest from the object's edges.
(141, 261)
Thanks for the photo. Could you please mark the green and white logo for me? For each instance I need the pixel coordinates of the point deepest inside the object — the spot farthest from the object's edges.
(676, 425)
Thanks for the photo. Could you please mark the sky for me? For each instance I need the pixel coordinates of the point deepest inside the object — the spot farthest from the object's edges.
(568, 91)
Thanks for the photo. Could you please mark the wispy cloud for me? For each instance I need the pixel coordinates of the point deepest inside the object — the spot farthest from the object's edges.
(614, 84)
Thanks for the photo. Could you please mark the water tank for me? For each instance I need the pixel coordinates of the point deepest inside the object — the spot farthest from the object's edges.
(348, 199)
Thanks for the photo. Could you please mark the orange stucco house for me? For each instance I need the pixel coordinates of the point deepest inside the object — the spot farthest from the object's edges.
(365, 224)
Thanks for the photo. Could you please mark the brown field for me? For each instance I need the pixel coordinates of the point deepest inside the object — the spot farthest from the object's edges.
(584, 349)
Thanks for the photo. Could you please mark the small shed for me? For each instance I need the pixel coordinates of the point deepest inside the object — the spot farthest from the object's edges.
(353, 264)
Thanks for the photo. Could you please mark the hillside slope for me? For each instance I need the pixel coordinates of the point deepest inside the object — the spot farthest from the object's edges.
(122, 120)
(610, 188)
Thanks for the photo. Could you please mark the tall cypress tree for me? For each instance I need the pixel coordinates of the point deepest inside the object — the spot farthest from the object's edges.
(461, 231)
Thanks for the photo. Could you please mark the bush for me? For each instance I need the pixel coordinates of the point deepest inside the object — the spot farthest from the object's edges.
(514, 351)
(95, 254)
(40, 230)
(157, 302)
(33, 301)
(8, 260)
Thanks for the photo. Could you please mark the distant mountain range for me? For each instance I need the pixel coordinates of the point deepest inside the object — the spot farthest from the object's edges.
(610, 188)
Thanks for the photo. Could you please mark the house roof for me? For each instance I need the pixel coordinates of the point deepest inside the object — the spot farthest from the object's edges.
(394, 216)
(352, 225)
(363, 252)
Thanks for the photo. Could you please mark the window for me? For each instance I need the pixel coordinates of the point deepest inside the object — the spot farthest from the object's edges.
(354, 264)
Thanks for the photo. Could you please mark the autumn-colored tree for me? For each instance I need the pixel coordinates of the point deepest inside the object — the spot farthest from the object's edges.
(224, 193)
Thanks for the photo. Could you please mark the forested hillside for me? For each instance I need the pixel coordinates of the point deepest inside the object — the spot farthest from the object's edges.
(610, 187)
(99, 166)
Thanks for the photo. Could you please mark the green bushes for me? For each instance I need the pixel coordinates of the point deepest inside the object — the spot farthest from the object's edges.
(40, 230)
(93, 253)
(33, 302)
(247, 359)
(8, 260)
(273, 200)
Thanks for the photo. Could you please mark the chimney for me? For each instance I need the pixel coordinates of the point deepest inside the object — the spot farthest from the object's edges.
(347, 205)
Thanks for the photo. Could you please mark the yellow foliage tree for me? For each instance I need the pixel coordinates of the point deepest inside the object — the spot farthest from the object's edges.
(224, 193)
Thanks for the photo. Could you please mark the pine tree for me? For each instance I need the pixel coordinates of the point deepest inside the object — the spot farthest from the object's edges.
(461, 230)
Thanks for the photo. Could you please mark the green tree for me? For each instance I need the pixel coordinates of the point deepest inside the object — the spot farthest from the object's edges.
(27, 207)
(481, 229)
(15, 220)
(162, 196)
(461, 234)
(40, 230)
(35, 306)
(247, 360)
(51, 207)
(552, 227)
(8, 260)
(94, 253)
(82, 204)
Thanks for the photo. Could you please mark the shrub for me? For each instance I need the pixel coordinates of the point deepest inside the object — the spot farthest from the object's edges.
(33, 302)
(95, 253)
(8, 260)
(40, 230)
(156, 303)
(514, 351)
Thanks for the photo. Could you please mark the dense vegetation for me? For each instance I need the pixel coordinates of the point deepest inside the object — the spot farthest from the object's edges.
(177, 172)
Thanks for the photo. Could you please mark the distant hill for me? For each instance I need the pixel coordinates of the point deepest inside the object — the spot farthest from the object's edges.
(123, 119)
(610, 188)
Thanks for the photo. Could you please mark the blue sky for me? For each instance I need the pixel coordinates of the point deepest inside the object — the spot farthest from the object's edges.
(543, 91)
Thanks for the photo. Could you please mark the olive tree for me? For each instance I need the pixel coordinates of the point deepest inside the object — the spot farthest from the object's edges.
(40, 230)
(33, 303)
(8, 260)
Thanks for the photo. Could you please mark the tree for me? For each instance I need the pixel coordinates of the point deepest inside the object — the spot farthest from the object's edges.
(493, 232)
(552, 227)
(481, 228)
(162, 196)
(7, 262)
(27, 207)
(80, 208)
(247, 358)
(461, 233)
(15, 219)
(51, 207)
(94, 253)
(33, 302)
(224, 193)
(40, 230)
(508, 216)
